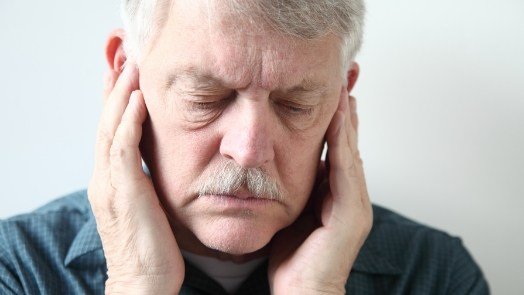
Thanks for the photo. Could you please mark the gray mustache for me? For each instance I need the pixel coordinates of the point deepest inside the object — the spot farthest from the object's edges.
(228, 178)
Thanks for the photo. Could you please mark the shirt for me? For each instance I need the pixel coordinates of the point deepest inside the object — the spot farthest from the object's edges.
(230, 275)
(57, 250)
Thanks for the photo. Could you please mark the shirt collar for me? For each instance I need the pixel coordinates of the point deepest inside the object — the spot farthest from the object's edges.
(87, 241)
(371, 258)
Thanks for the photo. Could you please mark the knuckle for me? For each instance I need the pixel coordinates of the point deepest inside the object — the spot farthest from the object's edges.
(100, 196)
(358, 161)
(352, 168)
(118, 151)
(103, 136)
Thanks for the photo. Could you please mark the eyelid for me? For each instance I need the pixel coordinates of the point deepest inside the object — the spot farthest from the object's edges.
(296, 109)
(207, 96)
(208, 102)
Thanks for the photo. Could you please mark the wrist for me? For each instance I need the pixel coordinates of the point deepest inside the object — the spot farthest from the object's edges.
(307, 291)
(143, 285)
(310, 288)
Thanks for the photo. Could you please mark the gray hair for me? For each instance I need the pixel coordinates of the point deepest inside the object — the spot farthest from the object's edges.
(304, 19)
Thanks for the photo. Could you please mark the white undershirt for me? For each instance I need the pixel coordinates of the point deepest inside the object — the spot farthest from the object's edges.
(227, 273)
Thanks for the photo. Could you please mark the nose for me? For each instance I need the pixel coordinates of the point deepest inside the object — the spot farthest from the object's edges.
(247, 138)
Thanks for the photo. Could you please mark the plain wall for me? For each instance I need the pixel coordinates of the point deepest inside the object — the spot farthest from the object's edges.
(441, 105)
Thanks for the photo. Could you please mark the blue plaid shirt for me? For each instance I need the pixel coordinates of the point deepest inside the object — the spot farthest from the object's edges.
(57, 250)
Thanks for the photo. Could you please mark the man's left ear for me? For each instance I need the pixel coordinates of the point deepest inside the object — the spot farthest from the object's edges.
(352, 76)
(115, 54)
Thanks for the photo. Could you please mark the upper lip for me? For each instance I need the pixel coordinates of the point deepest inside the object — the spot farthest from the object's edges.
(243, 194)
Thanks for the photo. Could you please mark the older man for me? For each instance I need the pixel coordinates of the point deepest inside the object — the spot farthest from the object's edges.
(230, 104)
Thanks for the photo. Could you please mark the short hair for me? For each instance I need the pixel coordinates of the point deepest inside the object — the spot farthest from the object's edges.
(305, 19)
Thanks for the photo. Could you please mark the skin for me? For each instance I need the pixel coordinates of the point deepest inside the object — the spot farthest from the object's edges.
(248, 115)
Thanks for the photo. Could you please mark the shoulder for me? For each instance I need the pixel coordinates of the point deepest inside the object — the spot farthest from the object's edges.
(395, 232)
(415, 258)
(404, 240)
(57, 220)
(36, 248)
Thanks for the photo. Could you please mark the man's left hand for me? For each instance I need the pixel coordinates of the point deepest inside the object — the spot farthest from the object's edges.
(316, 253)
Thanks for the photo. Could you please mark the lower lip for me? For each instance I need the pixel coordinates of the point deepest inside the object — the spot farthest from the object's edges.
(233, 202)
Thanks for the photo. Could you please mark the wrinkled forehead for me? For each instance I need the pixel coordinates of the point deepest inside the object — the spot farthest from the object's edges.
(232, 16)
(208, 37)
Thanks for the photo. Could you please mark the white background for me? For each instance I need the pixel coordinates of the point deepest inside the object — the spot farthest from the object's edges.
(441, 104)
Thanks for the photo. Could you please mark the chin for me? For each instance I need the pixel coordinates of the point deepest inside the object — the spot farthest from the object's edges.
(235, 236)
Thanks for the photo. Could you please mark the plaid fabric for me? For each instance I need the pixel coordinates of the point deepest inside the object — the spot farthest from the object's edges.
(57, 250)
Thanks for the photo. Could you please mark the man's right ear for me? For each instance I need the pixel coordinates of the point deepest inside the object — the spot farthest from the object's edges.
(115, 54)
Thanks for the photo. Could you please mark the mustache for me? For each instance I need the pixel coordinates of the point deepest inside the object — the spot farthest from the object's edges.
(228, 178)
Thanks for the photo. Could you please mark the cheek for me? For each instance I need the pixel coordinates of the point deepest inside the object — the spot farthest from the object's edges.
(298, 157)
(175, 156)
(297, 161)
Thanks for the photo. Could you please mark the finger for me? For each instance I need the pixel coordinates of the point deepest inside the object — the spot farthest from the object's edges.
(126, 162)
(345, 179)
(352, 138)
(351, 129)
(345, 107)
(340, 160)
(353, 112)
(112, 115)
(109, 83)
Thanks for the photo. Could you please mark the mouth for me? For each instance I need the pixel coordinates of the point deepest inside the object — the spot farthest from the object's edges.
(238, 202)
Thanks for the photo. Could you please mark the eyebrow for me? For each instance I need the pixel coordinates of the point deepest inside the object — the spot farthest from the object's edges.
(307, 86)
(201, 81)
(209, 82)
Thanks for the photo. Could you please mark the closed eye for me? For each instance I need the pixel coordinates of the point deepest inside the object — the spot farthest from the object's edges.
(296, 110)
(205, 106)
(208, 103)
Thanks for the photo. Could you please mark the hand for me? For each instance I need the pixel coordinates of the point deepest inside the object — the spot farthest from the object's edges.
(141, 252)
(316, 253)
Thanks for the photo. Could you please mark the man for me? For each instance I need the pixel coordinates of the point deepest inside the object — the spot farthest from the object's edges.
(230, 103)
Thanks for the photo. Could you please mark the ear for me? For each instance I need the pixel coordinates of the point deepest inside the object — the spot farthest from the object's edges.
(352, 76)
(115, 55)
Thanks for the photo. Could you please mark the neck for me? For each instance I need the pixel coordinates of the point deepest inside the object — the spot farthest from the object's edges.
(187, 241)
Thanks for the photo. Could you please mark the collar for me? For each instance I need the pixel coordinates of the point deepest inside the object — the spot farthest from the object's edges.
(86, 248)
(371, 260)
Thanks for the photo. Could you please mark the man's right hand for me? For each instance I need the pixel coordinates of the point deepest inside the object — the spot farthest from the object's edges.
(141, 252)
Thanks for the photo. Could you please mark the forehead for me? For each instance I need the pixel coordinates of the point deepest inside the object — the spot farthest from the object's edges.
(202, 39)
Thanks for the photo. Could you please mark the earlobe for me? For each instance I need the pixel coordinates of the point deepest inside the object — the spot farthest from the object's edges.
(115, 54)
(352, 76)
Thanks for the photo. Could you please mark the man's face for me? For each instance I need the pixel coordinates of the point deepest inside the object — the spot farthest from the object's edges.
(218, 92)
